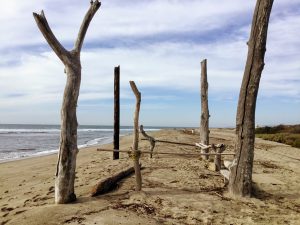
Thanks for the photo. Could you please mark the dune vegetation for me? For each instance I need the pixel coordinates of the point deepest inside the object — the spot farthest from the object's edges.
(286, 134)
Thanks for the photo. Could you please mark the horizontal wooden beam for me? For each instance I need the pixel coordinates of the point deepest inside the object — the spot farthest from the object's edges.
(165, 153)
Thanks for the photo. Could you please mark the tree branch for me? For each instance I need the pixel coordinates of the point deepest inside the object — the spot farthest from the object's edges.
(44, 27)
(85, 24)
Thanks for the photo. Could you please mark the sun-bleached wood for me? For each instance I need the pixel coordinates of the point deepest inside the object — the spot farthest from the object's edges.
(66, 165)
(240, 182)
(163, 153)
(135, 145)
(204, 127)
(107, 184)
(149, 138)
(218, 159)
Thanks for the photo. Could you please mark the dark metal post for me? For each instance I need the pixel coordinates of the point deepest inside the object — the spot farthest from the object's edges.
(116, 111)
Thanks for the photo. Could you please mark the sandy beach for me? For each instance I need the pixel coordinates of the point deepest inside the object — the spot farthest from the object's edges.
(176, 189)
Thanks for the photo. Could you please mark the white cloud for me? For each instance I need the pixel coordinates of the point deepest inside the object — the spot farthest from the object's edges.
(33, 76)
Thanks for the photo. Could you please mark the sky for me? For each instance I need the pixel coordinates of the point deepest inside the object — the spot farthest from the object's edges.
(157, 43)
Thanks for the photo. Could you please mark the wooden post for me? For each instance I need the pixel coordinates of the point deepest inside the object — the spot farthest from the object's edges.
(218, 159)
(240, 179)
(136, 153)
(116, 111)
(68, 149)
(204, 131)
(149, 138)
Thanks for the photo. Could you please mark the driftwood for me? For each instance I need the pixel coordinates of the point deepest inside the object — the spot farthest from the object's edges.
(170, 142)
(149, 138)
(240, 183)
(218, 159)
(116, 111)
(226, 172)
(204, 127)
(136, 153)
(108, 184)
(68, 149)
(164, 153)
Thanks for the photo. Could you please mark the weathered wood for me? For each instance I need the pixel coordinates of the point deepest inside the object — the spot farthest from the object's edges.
(164, 153)
(66, 165)
(107, 184)
(149, 138)
(203, 147)
(240, 183)
(218, 160)
(204, 127)
(200, 145)
(171, 142)
(116, 111)
(135, 145)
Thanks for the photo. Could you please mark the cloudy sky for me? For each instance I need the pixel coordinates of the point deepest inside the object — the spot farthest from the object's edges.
(159, 44)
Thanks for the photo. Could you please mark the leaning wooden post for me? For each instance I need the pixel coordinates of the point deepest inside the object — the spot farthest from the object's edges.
(149, 138)
(136, 153)
(240, 179)
(116, 111)
(68, 149)
(204, 131)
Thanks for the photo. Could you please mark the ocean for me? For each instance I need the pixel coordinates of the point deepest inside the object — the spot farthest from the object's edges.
(19, 141)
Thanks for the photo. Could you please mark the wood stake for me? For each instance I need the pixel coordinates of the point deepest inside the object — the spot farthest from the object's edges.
(204, 131)
(116, 111)
(135, 145)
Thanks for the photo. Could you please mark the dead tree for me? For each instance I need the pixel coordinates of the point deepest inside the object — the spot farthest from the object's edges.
(149, 138)
(65, 173)
(204, 130)
(135, 146)
(116, 111)
(240, 182)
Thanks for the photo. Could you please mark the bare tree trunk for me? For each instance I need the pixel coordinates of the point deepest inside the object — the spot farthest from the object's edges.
(116, 112)
(135, 146)
(204, 131)
(240, 183)
(66, 165)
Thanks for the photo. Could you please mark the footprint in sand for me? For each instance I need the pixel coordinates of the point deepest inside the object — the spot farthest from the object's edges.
(6, 209)
(18, 212)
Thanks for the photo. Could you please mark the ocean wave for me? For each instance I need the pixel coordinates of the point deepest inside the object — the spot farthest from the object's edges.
(46, 131)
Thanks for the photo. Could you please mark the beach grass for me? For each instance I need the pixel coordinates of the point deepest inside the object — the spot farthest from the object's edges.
(286, 134)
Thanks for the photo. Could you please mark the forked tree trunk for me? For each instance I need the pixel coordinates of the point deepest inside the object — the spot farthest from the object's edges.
(66, 165)
(240, 182)
(204, 127)
(135, 145)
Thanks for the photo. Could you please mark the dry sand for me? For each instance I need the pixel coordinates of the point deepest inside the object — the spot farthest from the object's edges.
(176, 189)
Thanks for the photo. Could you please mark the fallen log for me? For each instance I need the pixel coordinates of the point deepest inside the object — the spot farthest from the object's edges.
(109, 183)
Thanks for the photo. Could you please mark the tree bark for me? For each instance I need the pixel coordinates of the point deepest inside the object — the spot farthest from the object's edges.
(204, 131)
(66, 165)
(136, 153)
(240, 182)
(116, 111)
